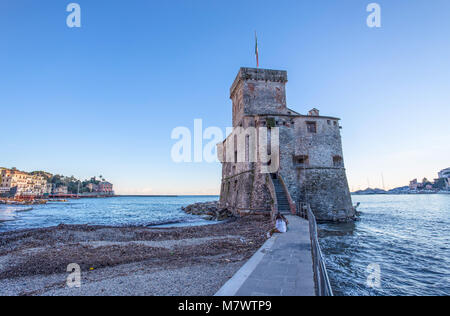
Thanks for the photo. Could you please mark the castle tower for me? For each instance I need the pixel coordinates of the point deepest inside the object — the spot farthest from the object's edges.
(310, 169)
(258, 91)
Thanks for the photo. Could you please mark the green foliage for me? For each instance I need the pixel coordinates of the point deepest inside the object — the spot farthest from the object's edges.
(72, 183)
(440, 184)
(271, 122)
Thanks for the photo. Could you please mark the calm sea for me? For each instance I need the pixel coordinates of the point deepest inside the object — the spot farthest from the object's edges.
(116, 211)
(406, 236)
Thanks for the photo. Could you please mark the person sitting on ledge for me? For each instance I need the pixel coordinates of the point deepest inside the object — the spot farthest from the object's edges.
(281, 224)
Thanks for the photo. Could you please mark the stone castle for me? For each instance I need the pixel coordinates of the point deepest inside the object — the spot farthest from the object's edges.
(306, 167)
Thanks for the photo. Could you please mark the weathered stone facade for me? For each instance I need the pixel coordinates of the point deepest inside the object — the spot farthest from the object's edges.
(310, 162)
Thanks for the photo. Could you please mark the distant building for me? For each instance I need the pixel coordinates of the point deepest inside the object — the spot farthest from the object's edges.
(92, 187)
(62, 190)
(445, 174)
(105, 188)
(413, 185)
(24, 184)
(48, 188)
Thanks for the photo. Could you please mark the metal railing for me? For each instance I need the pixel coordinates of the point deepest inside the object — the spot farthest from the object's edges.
(323, 286)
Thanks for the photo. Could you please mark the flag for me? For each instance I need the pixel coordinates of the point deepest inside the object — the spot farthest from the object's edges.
(256, 51)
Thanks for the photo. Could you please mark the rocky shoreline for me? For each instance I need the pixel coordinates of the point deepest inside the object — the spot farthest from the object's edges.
(4, 201)
(194, 260)
(210, 211)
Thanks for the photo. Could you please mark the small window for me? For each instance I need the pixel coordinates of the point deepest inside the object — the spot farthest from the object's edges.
(335, 123)
(337, 161)
(301, 160)
(271, 123)
(312, 127)
(329, 122)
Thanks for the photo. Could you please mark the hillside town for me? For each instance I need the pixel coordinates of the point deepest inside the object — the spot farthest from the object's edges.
(440, 185)
(17, 184)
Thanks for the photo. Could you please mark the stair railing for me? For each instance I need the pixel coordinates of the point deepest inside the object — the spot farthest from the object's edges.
(323, 285)
(273, 193)
(292, 205)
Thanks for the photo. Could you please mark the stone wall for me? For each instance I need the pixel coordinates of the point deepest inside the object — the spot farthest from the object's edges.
(258, 91)
(326, 190)
(245, 191)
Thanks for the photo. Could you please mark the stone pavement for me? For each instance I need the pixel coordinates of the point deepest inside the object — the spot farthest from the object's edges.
(282, 267)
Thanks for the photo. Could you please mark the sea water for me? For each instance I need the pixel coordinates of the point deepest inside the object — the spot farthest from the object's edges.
(117, 211)
(407, 239)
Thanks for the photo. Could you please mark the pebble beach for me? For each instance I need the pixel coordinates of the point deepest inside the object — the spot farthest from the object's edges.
(195, 260)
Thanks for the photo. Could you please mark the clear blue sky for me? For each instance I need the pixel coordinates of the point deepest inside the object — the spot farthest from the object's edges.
(103, 99)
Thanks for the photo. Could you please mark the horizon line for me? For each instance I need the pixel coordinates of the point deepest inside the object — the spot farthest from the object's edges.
(162, 195)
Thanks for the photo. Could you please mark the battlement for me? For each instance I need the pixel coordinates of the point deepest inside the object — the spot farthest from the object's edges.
(258, 74)
(258, 91)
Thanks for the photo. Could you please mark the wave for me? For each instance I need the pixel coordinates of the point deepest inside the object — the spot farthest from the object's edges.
(9, 213)
(166, 222)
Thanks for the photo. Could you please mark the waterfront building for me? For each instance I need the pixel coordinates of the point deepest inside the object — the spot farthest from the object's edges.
(48, 188)
(37, 185)
(92, 187)
(25, 184)
(413, 185)
(308, 167)
(445, 174)
(61, 190)
(105, 188)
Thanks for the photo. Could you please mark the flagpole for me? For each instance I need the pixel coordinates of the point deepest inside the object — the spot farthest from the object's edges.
(256, 50)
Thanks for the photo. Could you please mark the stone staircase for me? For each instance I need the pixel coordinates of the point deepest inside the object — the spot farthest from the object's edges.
(283, 202)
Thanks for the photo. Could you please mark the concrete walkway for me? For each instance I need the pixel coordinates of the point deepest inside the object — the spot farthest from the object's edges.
(282, 267)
